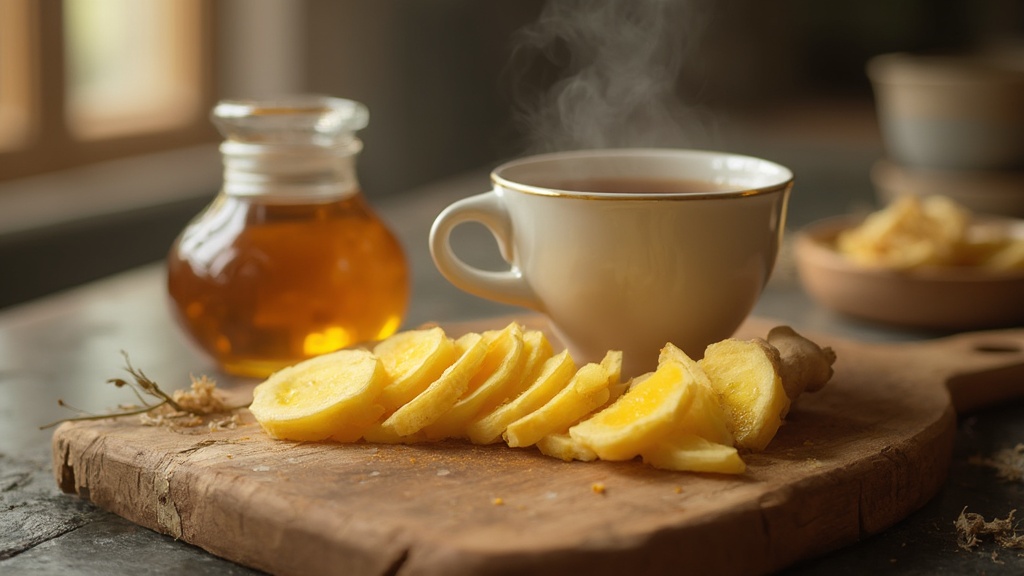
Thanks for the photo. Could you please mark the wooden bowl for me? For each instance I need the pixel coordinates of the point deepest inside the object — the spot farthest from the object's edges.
(932, 298)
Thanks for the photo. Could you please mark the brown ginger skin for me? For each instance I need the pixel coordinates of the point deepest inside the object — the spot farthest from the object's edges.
(806, 367)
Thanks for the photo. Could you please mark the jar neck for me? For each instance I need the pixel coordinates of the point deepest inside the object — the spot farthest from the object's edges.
(292, 173)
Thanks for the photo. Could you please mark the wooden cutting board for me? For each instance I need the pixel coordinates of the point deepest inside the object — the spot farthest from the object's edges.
(853, 459)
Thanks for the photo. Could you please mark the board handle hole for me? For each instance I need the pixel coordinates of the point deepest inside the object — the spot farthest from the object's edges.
(997, 347)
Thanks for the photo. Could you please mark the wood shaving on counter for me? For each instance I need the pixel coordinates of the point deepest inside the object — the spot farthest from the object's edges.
(969, 526)
(1008, 463)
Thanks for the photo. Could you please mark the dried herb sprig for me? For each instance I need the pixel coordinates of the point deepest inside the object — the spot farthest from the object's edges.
(141, 385)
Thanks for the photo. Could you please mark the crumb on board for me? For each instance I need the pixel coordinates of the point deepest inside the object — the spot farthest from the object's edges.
(597, 488)
(225, 423)
(678, 489)
(498, 501)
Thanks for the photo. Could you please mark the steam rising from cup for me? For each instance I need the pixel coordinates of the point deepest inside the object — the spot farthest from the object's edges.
(620, 64)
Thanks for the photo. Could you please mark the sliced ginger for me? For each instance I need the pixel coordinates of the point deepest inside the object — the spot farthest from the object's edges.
(672, 403)
(914, 232)
(420, 386)
(705, 415)
(555, 373)
(587, 390)
(441, 394)
(501, 368)
(536, 351)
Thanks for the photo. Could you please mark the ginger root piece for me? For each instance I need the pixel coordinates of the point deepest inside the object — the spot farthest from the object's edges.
(758, 380)
(806, 367)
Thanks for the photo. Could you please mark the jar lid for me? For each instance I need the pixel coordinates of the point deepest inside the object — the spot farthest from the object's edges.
(308, 119)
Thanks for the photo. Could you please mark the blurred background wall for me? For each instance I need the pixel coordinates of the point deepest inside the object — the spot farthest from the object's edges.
(446, 82)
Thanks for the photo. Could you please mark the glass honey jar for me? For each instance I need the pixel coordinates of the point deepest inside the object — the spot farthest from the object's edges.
(289, 261)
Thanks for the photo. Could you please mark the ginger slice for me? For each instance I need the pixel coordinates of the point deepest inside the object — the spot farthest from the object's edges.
(691, 453)
(333, 396)
(564, 447)
(536, 351)
(642, 416)
(746, 374)
(413, 359)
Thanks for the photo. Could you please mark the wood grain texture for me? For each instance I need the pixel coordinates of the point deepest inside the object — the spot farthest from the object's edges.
(853, 459)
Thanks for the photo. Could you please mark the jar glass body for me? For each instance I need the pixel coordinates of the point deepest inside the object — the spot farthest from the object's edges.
(265, 278)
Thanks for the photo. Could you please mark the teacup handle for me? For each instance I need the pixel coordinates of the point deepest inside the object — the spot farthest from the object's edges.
(507, 286)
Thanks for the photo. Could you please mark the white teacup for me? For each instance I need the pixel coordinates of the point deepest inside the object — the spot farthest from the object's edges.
(627, 249)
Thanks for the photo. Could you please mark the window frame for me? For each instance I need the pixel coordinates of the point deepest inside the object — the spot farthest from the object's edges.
(51, 143)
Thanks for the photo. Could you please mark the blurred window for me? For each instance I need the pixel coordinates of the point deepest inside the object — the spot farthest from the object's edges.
(83, 81)
(15, 73)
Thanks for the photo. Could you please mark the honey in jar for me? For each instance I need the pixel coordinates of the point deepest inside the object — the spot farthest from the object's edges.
(289, 261)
